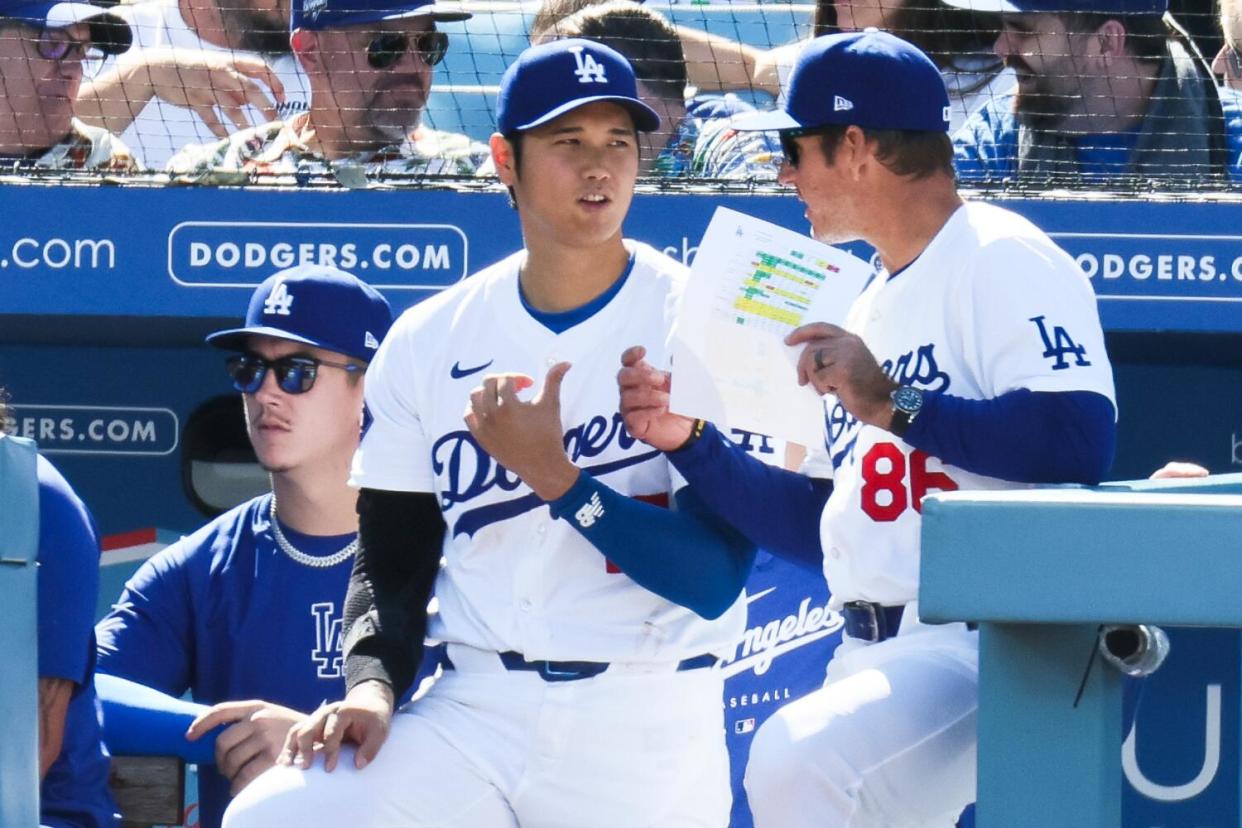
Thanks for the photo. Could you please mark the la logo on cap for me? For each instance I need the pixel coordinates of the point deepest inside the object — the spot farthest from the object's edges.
(278, 301)
(589, 70)
(840, 104)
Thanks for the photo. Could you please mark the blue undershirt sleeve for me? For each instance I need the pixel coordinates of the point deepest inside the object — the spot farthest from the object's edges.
(139, 721)
(1024, 436)
(684, 554)
(776, 509)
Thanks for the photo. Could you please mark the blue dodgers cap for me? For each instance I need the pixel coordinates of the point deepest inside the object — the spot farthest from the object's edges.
(872, 79)
(315, 305)
(109, 32)
(333, 14)
(550, 79)
(1117, 7)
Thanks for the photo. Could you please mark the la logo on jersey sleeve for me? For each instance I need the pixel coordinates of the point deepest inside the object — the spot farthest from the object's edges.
(1059, 346)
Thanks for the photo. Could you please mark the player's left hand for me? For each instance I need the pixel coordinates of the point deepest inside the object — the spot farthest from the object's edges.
(835, 361)
(526, 438)
(250, 745)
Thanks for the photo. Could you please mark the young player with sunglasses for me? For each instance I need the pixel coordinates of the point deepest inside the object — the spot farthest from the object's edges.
(249, 607)
(369, 67)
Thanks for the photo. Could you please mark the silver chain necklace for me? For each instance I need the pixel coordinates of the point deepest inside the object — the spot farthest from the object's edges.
(344, 554)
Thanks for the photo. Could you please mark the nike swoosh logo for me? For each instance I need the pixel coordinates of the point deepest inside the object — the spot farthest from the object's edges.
(750, 599)
(457, 372)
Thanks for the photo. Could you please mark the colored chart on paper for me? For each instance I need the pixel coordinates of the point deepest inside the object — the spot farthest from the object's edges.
(780, 289)
(751, 284)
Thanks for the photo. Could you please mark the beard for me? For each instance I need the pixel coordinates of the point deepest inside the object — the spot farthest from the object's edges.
(1038, 104)
(391, 118)
(262, 32)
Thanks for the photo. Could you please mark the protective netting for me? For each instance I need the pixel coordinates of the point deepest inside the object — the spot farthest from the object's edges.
(1132, 99)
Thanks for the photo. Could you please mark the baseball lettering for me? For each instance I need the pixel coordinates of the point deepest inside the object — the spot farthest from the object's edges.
(917, 367)
(884, 495)
(1059, 344)
(761, 645)
(279, 301)
(470, 471)
(327, 653)
(589, 70)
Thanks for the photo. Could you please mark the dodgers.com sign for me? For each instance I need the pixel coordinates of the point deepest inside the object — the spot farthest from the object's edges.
(243, 254)
(94, 429)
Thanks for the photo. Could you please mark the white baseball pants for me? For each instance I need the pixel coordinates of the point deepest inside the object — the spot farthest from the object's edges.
(489, 748)
(889, 741)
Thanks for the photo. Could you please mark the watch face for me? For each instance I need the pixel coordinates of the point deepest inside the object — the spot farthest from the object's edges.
(907, 399)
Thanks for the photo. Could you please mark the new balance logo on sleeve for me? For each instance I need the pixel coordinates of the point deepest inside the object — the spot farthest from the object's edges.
(279, 301)
(588, 71)
(590, 512)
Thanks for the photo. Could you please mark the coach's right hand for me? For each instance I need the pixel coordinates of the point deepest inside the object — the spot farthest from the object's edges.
(644, 403)
(362, 719)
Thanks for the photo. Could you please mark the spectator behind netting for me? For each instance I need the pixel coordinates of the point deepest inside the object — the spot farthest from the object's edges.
(957, 41)
(199, 70)
(369, 64)
(42, 49)
(695, 139)
(713, 62)
(1108, 91)
(1228, 62)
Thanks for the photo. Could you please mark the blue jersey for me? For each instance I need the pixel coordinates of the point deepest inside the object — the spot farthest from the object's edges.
(790, 635)
(226, 615)
(74, 793)
(783, 655)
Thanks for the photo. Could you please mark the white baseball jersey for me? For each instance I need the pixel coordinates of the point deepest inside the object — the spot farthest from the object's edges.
(162, 129)
(992, 305)
(513, 577)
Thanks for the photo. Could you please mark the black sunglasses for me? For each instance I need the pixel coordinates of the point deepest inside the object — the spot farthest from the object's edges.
(387, 48)
(294, 374)
(790, 147)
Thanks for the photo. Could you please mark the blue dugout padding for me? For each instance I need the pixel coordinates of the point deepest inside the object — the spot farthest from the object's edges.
(19, 538)
(1040, 571)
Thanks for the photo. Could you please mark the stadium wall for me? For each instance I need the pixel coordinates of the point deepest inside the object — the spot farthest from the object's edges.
(107, 293)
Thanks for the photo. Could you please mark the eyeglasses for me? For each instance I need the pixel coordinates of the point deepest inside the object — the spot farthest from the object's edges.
(387, 48)
(294, 374)
(790, 147)
(55, 44)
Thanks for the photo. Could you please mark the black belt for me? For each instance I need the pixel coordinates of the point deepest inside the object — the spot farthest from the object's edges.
(872, 622)
(876, 622)
(576, 670)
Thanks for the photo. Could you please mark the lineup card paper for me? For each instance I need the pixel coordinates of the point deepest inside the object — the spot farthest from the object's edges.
(752, 283)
